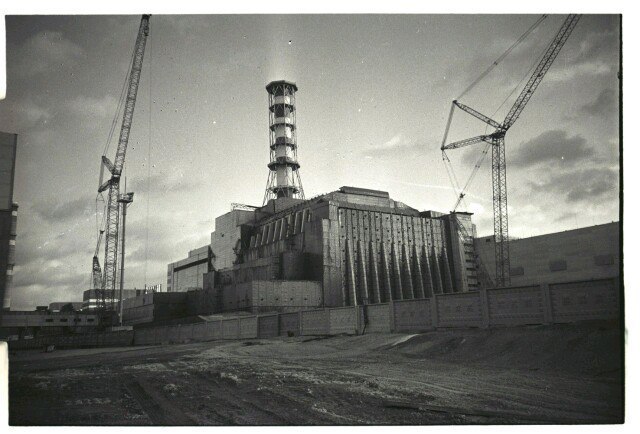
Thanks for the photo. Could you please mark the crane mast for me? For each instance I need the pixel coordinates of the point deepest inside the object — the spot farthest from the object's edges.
(496, 139)
(112, 220)
(96, 275)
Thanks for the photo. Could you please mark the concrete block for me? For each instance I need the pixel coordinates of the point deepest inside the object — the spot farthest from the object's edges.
(248, 327)
(412, 315)
(289, 323)
(378, 318)
(314, 322)
(230, 329)
(459, 310)
(268, 326)
(343, 320)
(515, 306)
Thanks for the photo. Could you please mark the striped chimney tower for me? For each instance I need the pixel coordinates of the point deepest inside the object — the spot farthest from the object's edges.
(284, 174)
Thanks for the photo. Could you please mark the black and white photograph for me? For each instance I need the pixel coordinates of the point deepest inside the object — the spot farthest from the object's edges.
(313, 218)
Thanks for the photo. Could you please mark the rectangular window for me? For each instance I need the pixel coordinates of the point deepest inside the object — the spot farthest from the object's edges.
(516, 271)
(558, 265)
(602, 260)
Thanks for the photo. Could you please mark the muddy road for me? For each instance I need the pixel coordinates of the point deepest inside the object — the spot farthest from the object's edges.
(545, 374)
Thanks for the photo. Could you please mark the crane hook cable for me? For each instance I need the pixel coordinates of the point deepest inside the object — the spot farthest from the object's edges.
(121, 100)
(502, 56)
(449, 167)
(146, 242)
(527, 74)
(451, 174)
(446, 130)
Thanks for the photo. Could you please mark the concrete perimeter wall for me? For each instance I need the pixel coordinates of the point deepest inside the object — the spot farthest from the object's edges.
(534, 304)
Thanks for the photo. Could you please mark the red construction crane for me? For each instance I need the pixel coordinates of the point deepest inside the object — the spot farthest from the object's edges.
(112, 220)
(496, 140)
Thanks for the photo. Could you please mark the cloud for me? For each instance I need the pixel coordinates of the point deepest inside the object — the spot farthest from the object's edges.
(42, 51)
(590, 185)
(61, 212)
(603, 104)
(174, 182)
(395, 146)
(554, 146)
(92, 107)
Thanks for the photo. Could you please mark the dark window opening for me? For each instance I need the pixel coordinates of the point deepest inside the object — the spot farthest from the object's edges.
(558, 265)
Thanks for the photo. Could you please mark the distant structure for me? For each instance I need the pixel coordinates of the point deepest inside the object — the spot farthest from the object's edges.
(587, 253)
(65, 306)
(350, 247)
(284, 175)
(91, 298)
(186, 274)
(8, 215)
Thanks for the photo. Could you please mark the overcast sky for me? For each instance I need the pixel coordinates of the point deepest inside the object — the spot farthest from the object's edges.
(374, 95)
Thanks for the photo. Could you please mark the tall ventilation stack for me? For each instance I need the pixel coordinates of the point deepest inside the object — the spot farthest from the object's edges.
(284, 174)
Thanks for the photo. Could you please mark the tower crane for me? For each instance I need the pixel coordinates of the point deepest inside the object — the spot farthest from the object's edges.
(496, 140)
(112, 220)
(96, 275)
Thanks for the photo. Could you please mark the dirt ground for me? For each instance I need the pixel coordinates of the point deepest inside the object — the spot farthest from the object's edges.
(542, 374)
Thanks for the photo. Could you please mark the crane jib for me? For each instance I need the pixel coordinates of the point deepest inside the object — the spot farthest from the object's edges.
(497, 141)
(108, 281)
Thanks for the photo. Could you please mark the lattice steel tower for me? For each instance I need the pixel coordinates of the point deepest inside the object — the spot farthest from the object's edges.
(284, 169)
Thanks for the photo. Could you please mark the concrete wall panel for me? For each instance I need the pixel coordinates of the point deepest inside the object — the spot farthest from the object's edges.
(144, 337)
(412, 315)
(515, 306)
(248, 327)
(378, 318)
(459, 310)
(161, 335)
(268, 326)
(199, 332)
(230, 329)
(174, 334)
(315, 322)
(214, 330)
(577, 301)
(289, 324)
(343, 320)
(186, 332)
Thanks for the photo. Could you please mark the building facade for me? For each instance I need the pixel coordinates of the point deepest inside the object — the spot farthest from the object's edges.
(8, 215)
(349, 247)
(581, 254)
(91, 297)
(186, 274)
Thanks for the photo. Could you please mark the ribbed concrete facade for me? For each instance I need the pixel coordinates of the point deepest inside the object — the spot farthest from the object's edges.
(359, 245)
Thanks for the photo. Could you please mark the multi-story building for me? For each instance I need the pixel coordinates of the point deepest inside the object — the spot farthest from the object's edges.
(186, 274)
(8, 215)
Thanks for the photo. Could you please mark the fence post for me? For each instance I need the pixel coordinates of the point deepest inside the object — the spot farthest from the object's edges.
(434, 310)
(484, 306)
(546, 303)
